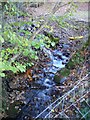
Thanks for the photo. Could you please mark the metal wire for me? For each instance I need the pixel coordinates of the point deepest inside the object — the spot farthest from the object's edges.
(60, 99)
(84, 115)
(71, 105)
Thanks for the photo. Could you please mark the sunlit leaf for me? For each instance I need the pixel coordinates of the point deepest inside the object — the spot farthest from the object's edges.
(2, 74)
(75, 38)
(1, 39)
(53, 44)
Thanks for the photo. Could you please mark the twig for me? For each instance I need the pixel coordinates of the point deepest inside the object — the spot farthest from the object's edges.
(79, 81)
(14, 57)
(37, 31)
(52, 12)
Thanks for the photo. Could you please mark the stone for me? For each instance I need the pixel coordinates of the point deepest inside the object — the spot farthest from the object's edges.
(63, 80)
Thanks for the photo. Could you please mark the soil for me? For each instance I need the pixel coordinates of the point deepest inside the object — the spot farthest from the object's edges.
(80, 14)
(26, 96)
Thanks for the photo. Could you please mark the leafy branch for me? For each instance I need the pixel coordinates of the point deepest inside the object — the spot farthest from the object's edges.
(24, 46)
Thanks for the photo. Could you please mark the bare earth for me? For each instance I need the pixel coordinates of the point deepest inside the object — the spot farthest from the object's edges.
(80, 14)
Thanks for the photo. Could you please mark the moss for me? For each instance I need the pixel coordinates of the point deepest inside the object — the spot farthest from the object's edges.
(57, 79)
(77, 59)
(65, 72)
(62, 73)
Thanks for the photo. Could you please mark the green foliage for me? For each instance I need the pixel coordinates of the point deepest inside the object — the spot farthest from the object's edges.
(15, 47)
(49, 39)
(65, 72)
(87, 43)
(61, 20)
(77, 59)
(11, 9)
(62, 73)
(1, 39)
(18, 52)
(85, 110)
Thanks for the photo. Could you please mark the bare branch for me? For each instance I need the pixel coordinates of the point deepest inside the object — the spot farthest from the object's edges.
(54, 9)
(14, 57)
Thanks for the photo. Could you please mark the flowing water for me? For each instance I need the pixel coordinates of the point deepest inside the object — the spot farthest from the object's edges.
(37, 98)
(42, 91)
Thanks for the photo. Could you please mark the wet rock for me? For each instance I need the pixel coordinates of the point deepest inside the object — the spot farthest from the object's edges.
(66, 54)
(64, 57)
(63, 80)
(65, 62)
(29, 28)
(57, 53)
(48, 83)
(36, 4)
(38, 85)
(60, 57)
(50, 75)
(22, 34)
(57, 79)
(58, 64)
(33, 26)
(26, 117)
(13, 85)
(66, 46)
(25, 27)
(61, 46)
(51, 70)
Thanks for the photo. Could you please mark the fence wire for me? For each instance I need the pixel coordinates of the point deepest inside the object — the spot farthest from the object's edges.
(73, 104)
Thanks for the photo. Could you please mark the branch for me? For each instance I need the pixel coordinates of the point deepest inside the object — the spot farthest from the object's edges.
(71, 105)
(53, 11)
(14, 57)
(38, 31)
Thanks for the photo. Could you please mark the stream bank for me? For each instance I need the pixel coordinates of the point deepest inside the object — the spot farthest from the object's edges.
(29, 98)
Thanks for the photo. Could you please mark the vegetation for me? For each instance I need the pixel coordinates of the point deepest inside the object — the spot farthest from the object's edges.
(18, 52)
(77, 59)
(23, 39)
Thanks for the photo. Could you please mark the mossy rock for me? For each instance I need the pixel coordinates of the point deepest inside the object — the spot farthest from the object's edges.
(61, 74)
(65, 72)
(57, 79)
(77, 59)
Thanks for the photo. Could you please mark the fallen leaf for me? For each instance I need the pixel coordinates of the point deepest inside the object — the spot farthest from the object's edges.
(75, 38)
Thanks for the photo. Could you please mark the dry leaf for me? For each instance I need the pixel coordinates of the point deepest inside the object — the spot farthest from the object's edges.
(75, 38)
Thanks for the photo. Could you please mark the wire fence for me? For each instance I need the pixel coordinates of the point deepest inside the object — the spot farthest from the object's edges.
(73, 104)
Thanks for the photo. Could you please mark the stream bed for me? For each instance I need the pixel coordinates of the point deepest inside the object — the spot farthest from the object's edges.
(42, 91)
(29, 99)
